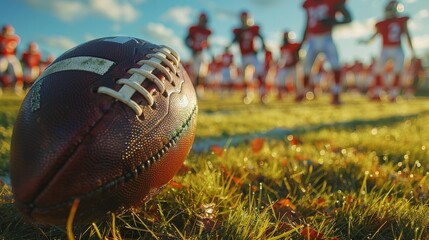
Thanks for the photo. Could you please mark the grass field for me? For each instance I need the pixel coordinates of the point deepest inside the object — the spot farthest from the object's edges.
(275, 171)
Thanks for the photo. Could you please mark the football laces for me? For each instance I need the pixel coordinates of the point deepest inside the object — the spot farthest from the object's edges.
(163, 55)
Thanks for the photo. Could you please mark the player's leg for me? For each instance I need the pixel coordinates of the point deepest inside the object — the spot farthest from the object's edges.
(260, 76)
(398, 60)
(281, 82)
(379, 79)
(247, 75)
(331, 54)
(16, 71)
(309, 60)
(200, 73)
(4, 75)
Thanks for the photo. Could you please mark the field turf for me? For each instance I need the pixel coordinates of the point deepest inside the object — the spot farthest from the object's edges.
(279, 170)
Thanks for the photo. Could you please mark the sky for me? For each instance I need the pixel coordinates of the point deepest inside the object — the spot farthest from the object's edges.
(58, 25)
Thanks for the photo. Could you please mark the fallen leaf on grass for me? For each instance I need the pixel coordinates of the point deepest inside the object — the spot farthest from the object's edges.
(176, 185)
(319, 202)
(227, 173)
(257, 144)
(294, 140)
(218, 150)
(311, 234)
(285, 209)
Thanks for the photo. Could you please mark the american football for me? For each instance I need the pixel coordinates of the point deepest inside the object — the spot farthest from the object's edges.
(303, 119)
(109, 122)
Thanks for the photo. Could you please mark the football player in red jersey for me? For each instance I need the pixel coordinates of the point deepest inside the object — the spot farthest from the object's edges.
(10, 67)
(289, 57)
(197, 40)
(31, 63)
(322, 17)
(227, 70)
(245, 36)
(391, 30)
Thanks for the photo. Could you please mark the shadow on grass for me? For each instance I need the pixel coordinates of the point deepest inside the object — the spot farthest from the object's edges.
(204, 144)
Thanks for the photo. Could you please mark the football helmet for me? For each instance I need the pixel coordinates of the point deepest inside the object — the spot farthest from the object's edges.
(393, 8)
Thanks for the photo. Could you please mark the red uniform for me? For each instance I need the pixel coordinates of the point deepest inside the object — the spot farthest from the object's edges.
(31, 59)
(318, 10)
(246, 38)
(288, 54)
(268, 60)
(227, 59)
(391, 30)
(198, 38)
(8, 45)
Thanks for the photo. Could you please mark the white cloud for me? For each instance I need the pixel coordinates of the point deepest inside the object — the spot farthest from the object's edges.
(179, 15)
(219, 41)
(424, 13)
(356, 29)
(120, 11)
(58, 42)
(421, 42)
(161, 34)
(116, 10)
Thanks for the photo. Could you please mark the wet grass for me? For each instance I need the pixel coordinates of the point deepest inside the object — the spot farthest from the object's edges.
(359, 171)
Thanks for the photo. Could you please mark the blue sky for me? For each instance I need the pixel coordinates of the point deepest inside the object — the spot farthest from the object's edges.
(57, 25)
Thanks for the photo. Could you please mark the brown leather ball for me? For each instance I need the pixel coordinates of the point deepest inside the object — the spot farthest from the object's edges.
(109, 122)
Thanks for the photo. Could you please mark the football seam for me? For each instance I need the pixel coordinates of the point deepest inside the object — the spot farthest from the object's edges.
(132, 174)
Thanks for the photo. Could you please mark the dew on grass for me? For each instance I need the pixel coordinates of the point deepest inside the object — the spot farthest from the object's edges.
(418, 164)
(374, 131)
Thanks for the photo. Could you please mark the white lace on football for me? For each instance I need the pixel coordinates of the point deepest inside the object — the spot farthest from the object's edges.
(163, 55)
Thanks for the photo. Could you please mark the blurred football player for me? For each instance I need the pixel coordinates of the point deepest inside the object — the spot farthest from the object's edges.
(10, 66)
(391, 29)
(31, 64)
(227, 70)
(245, 36)
(415, 76)
(287, 63)
(197, 40)
(322, 17)
(44, 64)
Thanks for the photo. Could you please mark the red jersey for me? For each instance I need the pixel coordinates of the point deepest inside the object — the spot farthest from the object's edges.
(227, 59)
(318, 10)
(416, 67)
(288, 54)
(357, 67)
(31, 59)
(246, 38)
(198, 38)
(391, 30)
(268, 60)
(8, 44)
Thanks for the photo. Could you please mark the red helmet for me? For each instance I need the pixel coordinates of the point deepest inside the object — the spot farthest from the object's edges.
(8, 30)
(244, 14)
(392, 8)
(202, 18)
(245, 18)
(203, 15)
(33, 47)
